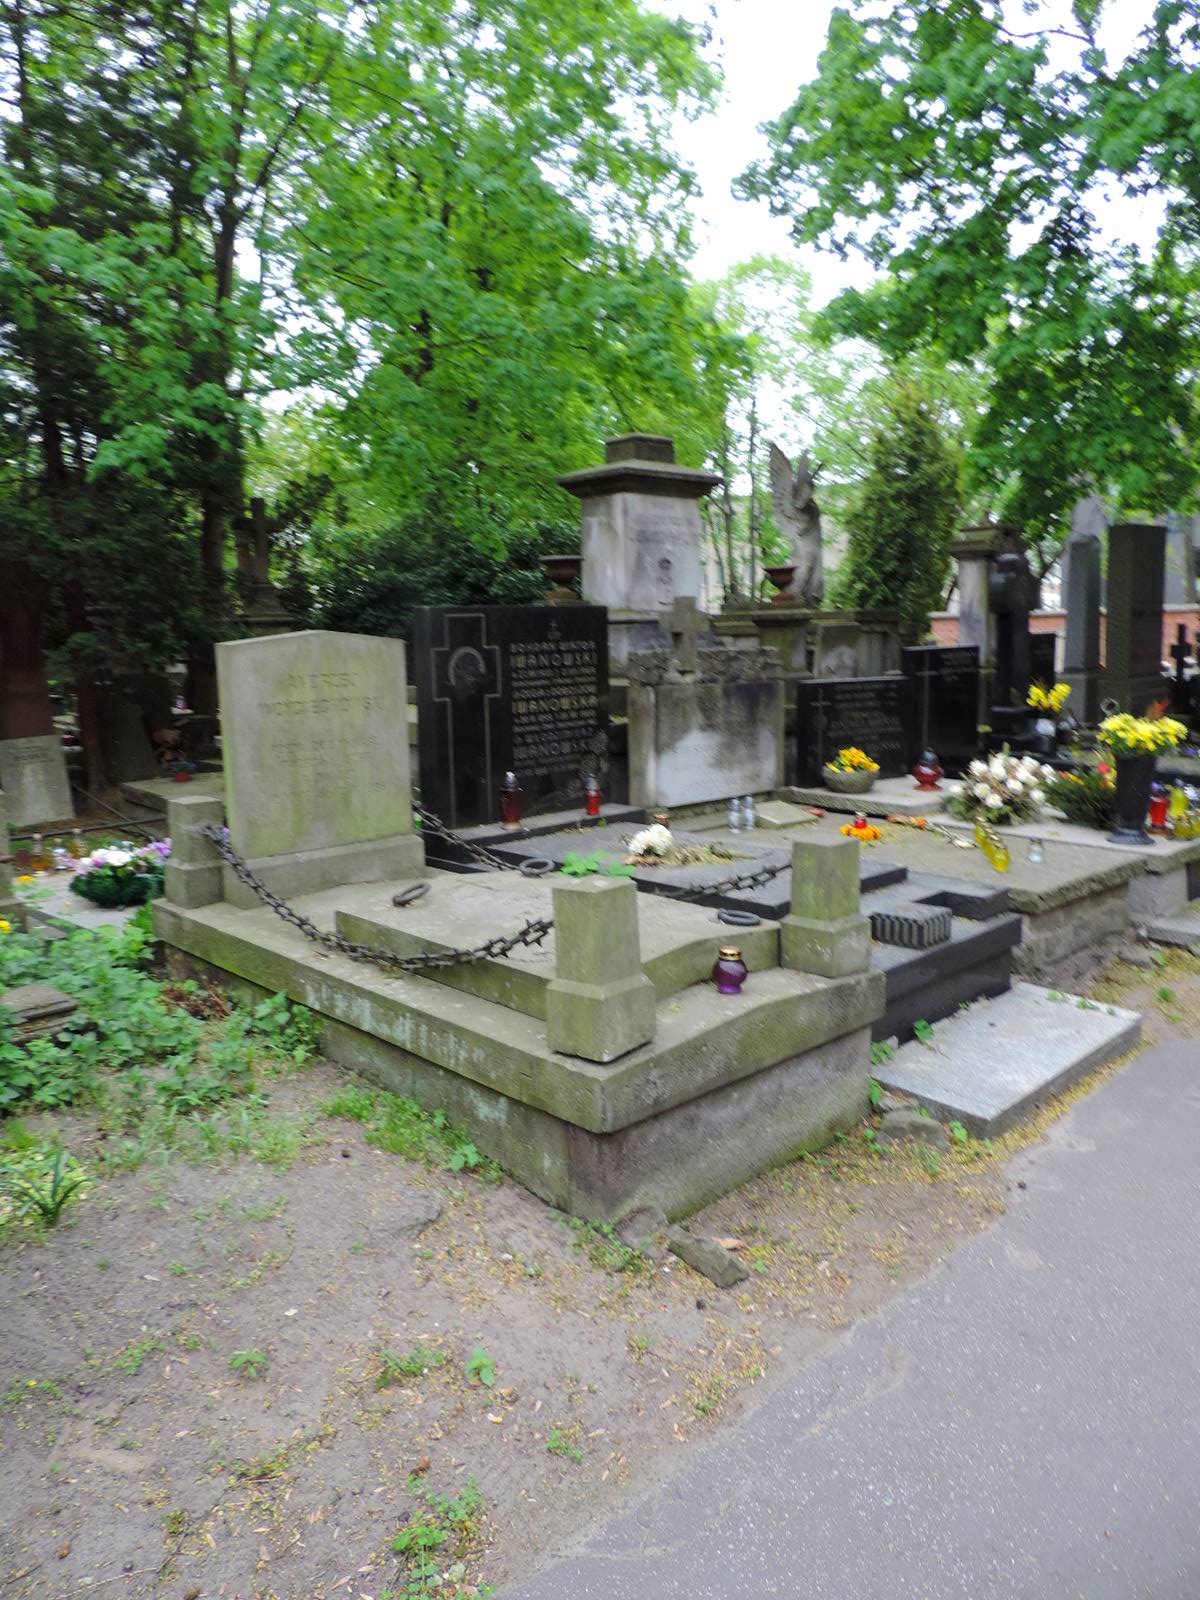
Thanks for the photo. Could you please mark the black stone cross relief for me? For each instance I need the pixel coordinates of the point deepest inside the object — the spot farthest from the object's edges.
(467, 675)
(1181, 653)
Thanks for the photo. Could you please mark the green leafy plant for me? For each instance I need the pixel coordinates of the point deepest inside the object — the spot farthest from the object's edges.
(882, 1051)
(438, 1540)
(403, 1127)
(874, 1091)
(481, 1366)
(394, 1368)
(40, 1184)
(923, 1031)
(122, 875)
(604, 1248)
(249, 1363)
(958, 1132)
(1087, 798)
(577, 865)
(565, 1442)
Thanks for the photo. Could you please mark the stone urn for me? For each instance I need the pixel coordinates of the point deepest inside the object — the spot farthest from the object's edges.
(848, 782)
(562, 573)
(1135, 779)
(780, 579)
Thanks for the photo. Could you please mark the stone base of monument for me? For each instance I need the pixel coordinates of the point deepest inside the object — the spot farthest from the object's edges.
(992, 1065)
(301, 872)
(446, 853)
(728, 1085)
(926, 984)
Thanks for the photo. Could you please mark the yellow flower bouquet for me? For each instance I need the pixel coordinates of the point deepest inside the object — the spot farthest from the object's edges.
(1049, 700)
(851, 771)
(1127, 735)
(852, 759)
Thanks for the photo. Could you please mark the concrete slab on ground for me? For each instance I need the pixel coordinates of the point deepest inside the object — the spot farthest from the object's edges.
(990, 1065)
(153, 793)
(53, 901)
(889, 797)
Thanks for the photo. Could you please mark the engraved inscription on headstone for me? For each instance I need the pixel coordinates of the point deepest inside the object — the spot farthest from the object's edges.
(500, 688)
(314, 739)
(875, 714)
(945, 701)
(33, 776)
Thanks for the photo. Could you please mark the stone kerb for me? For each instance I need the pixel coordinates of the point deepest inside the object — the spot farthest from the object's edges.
(599, 1004)
(825, 933)
(192, 876)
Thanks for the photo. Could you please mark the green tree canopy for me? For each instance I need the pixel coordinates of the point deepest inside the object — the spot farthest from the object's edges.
(977, 165)
(903, 515)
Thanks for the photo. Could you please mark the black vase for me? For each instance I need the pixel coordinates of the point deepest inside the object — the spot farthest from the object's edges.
(1135, 775)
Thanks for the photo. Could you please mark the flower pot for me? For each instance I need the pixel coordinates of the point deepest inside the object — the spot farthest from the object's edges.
(780, 578)
(563, 573)
(1135, 776)
(848, 782)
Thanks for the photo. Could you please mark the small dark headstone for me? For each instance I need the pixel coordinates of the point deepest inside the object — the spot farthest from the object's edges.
(1042, 650)
(874, 714)
(945, 702)
(509, 688)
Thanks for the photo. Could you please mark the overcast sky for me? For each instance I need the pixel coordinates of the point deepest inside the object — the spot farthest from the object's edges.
(767, 48)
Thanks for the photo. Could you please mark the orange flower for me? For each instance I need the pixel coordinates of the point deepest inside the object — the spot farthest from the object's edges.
(861, 829)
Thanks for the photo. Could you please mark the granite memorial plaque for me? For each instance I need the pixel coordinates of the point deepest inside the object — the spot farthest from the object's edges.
(1043, 648)
(509, 688)
(875, 714)
(1133, 667)
(945, 702)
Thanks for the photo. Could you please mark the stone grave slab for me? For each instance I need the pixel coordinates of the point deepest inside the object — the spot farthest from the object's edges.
(679, 943)
(708, 737)
(1134, 589)
(509, 688)
(316, 775)
(890, 797)
(874, 714)
(991, 1065)
(33, 777)
(945, 702)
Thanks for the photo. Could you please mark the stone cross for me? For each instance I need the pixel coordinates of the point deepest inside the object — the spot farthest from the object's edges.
(686, 623)
(1180, 653)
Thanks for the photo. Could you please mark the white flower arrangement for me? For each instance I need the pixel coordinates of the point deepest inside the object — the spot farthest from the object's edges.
(652, 841)
(1004, 788)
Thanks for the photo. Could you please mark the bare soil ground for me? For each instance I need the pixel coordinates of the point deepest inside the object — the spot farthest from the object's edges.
(138, 1462)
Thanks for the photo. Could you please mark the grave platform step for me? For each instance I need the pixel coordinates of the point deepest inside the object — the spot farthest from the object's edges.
(1182, 929)
(679, 942)
(992, 1065)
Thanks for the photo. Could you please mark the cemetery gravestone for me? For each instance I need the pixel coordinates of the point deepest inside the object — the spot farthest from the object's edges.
(1136, 558)
(317, 787)
(1043, 649)
(1082, 585)
(33, 776)
(874, 714)
(509, 688)
(945, 701)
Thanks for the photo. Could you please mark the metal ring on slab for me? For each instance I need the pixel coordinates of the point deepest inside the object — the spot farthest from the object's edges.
(407, 896)
(739, 919)
(537, 867)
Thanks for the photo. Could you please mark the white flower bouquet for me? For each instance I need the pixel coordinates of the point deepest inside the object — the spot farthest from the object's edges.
(1004, 788)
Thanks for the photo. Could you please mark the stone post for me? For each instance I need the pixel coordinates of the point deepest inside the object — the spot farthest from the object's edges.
(193, 870)
(825, 933)
(1082, 592)
(599, 1004)
(11, 909)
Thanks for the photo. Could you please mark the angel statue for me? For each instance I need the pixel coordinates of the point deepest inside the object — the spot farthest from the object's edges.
(799, 518)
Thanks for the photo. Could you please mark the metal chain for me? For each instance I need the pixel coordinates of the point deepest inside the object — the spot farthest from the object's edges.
(744, 880)
(532, 933)
(433, 824)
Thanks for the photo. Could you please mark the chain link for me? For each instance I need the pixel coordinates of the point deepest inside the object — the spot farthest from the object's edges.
(743, 880)
(532, 933)
(485, 858)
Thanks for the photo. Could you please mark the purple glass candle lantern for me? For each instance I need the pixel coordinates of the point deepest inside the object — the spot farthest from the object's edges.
(729, 970)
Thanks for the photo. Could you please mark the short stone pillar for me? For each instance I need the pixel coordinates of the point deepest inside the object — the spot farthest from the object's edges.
(11, 909)
(192, 876)
(599, 1004)
(825, 932)
(1083, 591)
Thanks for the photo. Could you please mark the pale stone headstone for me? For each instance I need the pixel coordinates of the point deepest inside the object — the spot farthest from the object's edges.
(315, 747)
(11, 909)
(641, 536)
(1179, 578)
(33, 775)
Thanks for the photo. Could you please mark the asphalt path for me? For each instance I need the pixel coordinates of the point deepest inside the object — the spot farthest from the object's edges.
(1024, 1424)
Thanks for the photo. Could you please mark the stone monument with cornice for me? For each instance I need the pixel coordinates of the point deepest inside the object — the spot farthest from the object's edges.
(641, 537)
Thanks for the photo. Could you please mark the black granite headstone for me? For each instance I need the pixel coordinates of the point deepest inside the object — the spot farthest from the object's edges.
(1043, 648)
(874, 714)
(509, 688)
(945, 684)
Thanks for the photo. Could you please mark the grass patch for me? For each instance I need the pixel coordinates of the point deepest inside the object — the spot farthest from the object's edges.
(402, 1127)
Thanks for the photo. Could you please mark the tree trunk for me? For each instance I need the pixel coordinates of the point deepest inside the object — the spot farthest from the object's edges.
(25, 710)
